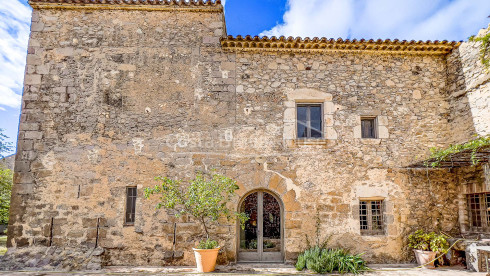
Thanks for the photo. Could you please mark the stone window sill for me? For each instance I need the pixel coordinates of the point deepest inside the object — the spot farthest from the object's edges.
(370, 141)
(373, 236)
(314, 142)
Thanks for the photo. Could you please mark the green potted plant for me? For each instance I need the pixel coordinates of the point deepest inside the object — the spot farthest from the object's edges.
(426, 246)
(205, 198)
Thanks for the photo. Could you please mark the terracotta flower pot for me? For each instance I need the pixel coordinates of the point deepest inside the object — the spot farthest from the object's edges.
(424, 257)
(206, 259)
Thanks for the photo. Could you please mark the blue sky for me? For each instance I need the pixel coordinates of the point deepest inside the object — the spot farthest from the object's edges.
(409, 19)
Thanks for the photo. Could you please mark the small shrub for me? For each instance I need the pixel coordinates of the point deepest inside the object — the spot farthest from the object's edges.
(428, 241)
(322, 260)
(207, 244)
(205, 198)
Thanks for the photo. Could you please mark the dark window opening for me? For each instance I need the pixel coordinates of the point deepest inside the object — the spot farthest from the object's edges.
(479, 212)
(309, 121)
(371, 217)
(368, 128)
(130, 205)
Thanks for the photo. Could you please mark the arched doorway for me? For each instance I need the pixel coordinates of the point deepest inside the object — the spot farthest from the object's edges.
(262, 239)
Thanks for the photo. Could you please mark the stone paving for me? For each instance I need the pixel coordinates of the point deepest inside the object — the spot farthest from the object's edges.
(255, 269)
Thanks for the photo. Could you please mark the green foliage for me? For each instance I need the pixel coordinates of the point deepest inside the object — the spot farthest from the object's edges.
(205, 198)
(269, 244)
(207, 244)
(5, 146)
(322, 260)
(443, 154)
(6, 179)
(484, 48)
(3, 245)
(428, 241)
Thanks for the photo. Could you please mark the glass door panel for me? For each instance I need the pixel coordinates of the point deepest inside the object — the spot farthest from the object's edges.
(248, 236)
(271, 224)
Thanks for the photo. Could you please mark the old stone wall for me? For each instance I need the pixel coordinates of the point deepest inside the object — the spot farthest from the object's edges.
(115, 97)
(469, 92)
(104, 89)
(407, 95)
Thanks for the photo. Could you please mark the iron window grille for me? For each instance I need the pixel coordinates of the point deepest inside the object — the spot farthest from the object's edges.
(131, 194)
(371, 217)
(369, 127)
(309, 121)
(479, 212)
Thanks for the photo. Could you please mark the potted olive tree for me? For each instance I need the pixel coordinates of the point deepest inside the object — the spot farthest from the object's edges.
(426, 246)
(205, 199)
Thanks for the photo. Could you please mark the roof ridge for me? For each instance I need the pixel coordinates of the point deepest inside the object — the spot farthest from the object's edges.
(187, 3)
(338, 40)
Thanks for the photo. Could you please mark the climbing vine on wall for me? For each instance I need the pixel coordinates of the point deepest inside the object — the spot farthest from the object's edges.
(439, 155)
(484, 48)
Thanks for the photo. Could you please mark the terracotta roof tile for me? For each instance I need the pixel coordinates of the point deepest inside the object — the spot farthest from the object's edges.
(127, 4)
(135, 2)
(282, 43)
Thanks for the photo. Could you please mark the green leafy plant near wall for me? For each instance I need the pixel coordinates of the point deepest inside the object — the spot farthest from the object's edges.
(323, 260)
(439, 155)
(205, 198)
(320, 259)
(428, 241)
(484, 48)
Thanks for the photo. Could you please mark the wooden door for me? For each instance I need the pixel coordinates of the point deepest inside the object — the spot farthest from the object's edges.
(262, 238)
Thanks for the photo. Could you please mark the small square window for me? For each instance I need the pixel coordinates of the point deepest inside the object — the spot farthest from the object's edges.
(131, 194)
(369, 127)
(309, 121)
(371, 217)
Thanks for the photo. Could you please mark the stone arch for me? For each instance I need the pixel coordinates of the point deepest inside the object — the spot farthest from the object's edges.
(283, 187)
(278, 184)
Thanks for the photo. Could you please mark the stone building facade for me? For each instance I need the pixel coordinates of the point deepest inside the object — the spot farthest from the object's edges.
(118, 92)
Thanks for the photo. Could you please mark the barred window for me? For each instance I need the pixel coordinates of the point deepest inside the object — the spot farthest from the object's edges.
(479, 212)
(371, 217)
(130, 205)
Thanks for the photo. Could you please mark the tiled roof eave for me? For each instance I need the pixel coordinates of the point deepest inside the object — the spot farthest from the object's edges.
(149, 5)
(330, 45)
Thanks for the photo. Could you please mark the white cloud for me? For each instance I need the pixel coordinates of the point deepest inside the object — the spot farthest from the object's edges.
(8, 97)
(14, 35)
(414, 19)
(315, 18)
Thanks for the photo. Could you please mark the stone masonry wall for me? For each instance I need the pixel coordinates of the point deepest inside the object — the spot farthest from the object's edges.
(329, 177)
(469, 92)
(113, 98)
(103, 90)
